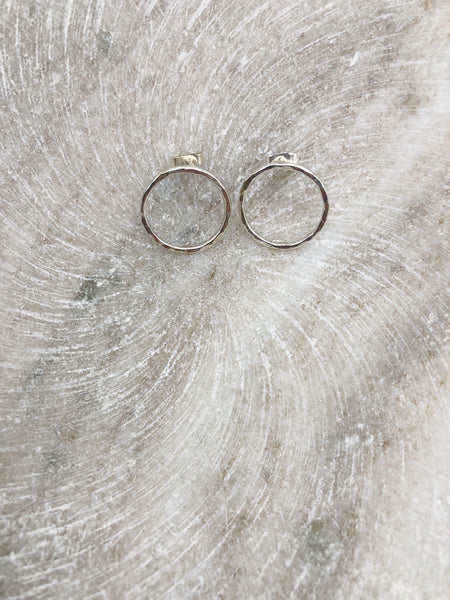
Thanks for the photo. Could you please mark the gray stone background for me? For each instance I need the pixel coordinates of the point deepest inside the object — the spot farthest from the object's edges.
(238, 423)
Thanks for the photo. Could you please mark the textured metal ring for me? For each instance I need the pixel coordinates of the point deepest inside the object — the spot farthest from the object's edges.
(186, 164)
(285, 160)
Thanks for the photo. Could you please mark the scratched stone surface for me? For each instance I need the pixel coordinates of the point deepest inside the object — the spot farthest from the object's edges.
(242, 422)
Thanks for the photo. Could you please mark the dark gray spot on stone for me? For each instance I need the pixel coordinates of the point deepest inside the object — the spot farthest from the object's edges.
(88, 290)
(322, 542)
(104, 41)
(53, 459)
(38, 372)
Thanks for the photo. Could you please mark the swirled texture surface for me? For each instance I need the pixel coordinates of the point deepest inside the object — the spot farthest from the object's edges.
(238, 423)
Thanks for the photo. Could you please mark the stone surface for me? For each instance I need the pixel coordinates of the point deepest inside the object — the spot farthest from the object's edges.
(238, 423)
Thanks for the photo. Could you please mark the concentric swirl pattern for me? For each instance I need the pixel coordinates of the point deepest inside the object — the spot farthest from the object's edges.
(238, 423)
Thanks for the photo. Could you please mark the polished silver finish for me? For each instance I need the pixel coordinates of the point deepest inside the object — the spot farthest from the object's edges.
(283, 160)
(189, 163)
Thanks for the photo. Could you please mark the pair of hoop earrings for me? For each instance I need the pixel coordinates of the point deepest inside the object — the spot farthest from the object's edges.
(191, 164)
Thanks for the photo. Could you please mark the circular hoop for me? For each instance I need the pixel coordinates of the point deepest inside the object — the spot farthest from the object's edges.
(184, 170)
(282, 165)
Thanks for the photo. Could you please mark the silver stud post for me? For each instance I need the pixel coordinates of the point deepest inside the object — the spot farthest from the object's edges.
(283, 157)
(191, 159)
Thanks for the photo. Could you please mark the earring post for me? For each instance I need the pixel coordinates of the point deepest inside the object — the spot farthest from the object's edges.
(193, 159)
(283, 157)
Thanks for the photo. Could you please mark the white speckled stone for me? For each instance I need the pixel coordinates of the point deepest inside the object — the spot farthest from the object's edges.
(239, 423)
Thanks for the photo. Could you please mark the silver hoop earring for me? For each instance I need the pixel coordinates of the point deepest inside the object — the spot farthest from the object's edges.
(189, 163)
(284, 160)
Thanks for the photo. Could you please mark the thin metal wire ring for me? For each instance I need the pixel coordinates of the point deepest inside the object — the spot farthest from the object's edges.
(186, 170)
(282, 165)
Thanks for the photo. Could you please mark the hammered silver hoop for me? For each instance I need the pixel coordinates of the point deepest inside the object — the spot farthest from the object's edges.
(284, 160)
(187, 164)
